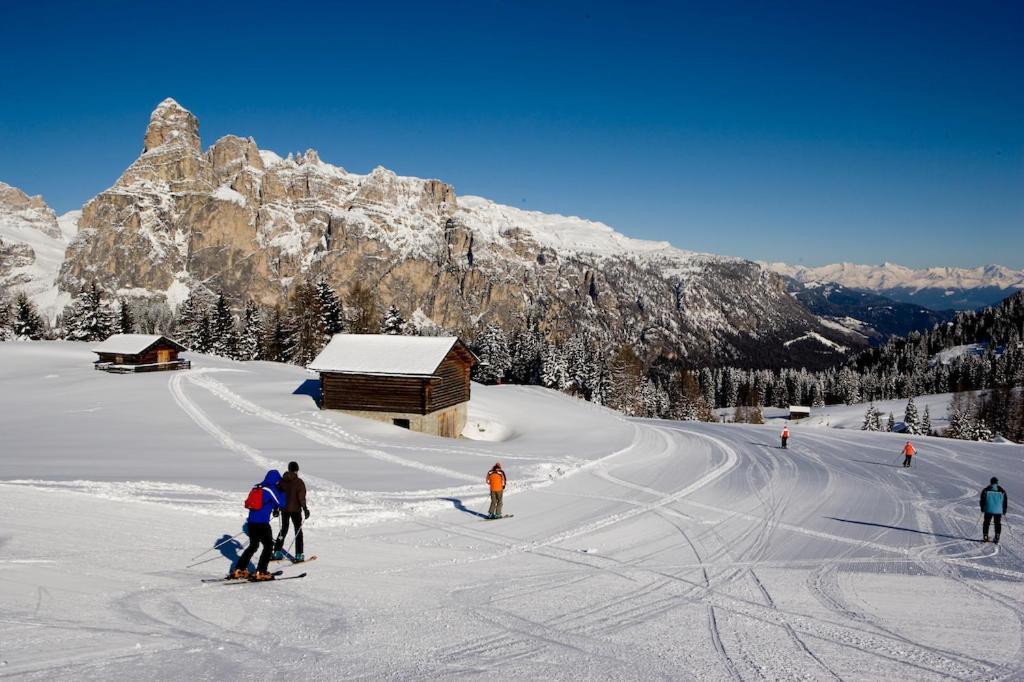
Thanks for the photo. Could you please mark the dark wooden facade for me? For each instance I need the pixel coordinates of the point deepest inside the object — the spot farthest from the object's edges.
(448, 386)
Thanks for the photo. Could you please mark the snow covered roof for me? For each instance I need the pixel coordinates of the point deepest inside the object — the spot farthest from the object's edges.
(383, 354)
(132, 344)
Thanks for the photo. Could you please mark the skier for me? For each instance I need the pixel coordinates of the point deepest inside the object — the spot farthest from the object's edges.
(785, 436)
(261, 505)
(294, 511)
(908, 454)
(496, 481)
(993, 505)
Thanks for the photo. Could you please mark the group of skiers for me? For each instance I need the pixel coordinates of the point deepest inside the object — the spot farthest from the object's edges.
(274, 496)
(994, 500)
(285, 496)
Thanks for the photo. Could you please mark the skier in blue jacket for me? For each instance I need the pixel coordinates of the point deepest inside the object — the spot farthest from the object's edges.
(258, 528)
(994, 501)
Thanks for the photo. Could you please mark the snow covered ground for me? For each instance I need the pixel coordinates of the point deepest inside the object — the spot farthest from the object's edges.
(639, 549)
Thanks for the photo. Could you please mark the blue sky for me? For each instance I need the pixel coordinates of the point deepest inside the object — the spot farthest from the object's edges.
(805, 132)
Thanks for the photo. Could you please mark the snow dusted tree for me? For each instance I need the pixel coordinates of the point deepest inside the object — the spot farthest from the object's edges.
(250, 343)
(817, 394)
(27, 324)
(911, 420)
(491, 347)
(577, 365)
(848, 386)
(223, 333)
(707, 386)
(193, 326)
(275, 344)
(553, 373)
(525, 351)
(627, 376)
(872, 419)
(600, 379)
(89, 318)
(6, 332)
(393, 323)
(153, 317)
(125, 318)
(891, 424)
(926, 422)
(332, 317)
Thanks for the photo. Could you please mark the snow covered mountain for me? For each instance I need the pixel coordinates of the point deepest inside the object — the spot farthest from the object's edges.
(248, 222)
(936, 288)
(32, 244)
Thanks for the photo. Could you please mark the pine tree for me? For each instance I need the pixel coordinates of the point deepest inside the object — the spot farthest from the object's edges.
(910, 418)
(89, 318)
(306, 337)
(275, 345)
(891, 424)
(393, 323)
(28, 324)
(495, 359)
(553, 372)
(871, 421)
(926, 422)
(125, 318)
(250, 343)
(332, 318)
(193, 324)
(6, 319)
(224, 335)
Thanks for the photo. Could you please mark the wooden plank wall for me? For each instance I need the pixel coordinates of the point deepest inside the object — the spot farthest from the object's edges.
(373, 393)
(451, 386)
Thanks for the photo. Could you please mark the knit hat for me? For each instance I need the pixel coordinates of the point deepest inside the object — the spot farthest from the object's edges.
(994, 480)
(293, 466)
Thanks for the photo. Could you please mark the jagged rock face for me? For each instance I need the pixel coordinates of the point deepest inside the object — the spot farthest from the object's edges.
(32, 246)
(247, 222)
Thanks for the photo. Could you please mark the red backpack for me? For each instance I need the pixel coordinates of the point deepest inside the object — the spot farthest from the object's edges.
(254, 501)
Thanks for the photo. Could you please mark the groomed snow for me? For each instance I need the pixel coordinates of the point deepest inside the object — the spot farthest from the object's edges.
(639, 549)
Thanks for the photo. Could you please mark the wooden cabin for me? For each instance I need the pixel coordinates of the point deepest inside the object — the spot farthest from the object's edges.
(416, 382)
(799, 412)
(139, 353)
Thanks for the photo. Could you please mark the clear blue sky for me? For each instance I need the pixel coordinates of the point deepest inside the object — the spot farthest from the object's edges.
(807, 132)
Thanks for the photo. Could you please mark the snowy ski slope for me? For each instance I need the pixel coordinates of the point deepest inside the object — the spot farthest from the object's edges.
(639, 549)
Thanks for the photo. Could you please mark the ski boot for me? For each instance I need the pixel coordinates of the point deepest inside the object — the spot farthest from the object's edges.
(985, 539)
(239, 574)
(996, 540)
(261, 576)
(299, 558)
(278, 555)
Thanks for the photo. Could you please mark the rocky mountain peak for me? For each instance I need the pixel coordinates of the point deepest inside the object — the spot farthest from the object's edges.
(171, 124)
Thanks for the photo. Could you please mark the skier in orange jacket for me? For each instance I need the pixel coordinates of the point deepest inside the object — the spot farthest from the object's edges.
(908, 454)
(496, 481)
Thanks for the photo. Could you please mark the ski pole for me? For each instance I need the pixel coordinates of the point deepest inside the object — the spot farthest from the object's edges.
(222, 542)
(204, 561)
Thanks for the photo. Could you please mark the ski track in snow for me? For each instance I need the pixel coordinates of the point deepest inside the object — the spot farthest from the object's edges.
(681, 551)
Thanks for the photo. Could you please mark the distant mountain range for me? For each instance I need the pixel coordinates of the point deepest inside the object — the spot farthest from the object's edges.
(933, 288)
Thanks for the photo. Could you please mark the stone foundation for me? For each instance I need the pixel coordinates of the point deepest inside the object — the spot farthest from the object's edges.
(448, 422)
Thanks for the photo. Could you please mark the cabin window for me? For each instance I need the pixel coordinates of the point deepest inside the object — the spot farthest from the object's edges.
(404, 423)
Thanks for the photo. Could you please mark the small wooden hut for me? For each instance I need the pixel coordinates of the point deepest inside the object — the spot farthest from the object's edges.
(799, 412)
(139, 353)
(416, 382)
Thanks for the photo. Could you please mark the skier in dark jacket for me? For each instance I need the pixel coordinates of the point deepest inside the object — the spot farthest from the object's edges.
(994, 501)
(259, 531)
(295, 510)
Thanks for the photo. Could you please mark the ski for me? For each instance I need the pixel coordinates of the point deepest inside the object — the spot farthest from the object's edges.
(293, 562)
(503, 516)
(229, 579)
(256, 582)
